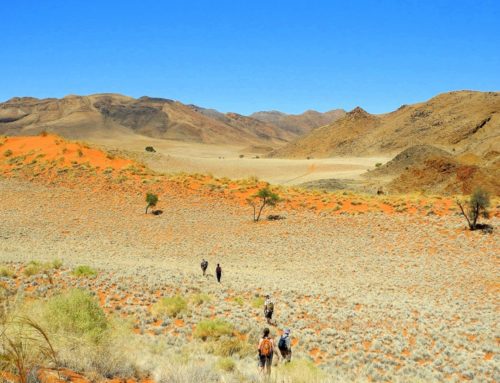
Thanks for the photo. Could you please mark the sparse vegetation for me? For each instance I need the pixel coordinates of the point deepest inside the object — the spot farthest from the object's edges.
(264, 197)
(77, 313)
(258, 302)
(6, 272)
(170, 306)
(24, 344)
(226, 364)
(213, 329)
(378, 164)
(150, 149)
(7, 153)
(200, 298)
(151, 200)
(84, 271)
(478, 205)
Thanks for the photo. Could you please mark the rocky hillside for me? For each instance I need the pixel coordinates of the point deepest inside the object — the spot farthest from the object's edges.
(462, 122)
(299, 123)
(78, 117)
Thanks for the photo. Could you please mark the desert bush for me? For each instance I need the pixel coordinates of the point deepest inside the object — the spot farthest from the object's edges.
(150, 149)
(151, 200)
(226, 364)
(301, 371)
(258, 302)
(57, 264)
(478, 205)
(200, 298)
(264, 197)
(6, 272)
(378, 164)
(84, 271)
(24, 345)
(170, 306)
(239, 301)
(7, 153)
(230, 345)
(76, 314)
(33, 268)
(212, 329)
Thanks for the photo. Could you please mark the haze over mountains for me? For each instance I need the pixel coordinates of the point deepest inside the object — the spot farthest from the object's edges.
(78, 117)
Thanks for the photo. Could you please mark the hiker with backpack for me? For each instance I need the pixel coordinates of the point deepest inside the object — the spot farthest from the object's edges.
(266, 351)
(218, 272)
(269, 309)
(204, 266)
(285, 346)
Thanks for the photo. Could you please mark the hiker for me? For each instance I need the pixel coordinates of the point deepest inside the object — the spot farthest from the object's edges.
(204, 266)
(266, 350)
(285, 346)
(268, 309)
(218, 272)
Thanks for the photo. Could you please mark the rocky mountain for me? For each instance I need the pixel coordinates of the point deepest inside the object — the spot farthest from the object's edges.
(299, 123)
(78, 117)
(460, 122)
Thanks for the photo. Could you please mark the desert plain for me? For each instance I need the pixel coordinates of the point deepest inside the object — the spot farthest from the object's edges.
(373, 287)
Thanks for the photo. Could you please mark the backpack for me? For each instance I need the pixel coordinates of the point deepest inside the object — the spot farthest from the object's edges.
(282, 343)
(270, 306)
(266, 347)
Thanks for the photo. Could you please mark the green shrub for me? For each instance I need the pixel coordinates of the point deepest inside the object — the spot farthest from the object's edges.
(57, 264)
(228, 346)
(76, 314)
(213, 329)
(226, 364)
(302, 371)
(200, 298)
(7, 153)
(85, 271)
(258, 302)
(378, 164)
(37, 267)
(6, 272)
(33, 268)
(171, 306)
(239, 301)
(151, 200)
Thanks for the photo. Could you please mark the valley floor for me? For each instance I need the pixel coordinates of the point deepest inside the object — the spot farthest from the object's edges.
(372, 296)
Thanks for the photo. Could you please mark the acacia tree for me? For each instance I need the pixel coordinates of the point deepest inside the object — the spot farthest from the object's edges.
(478, 206)
(151, 200)
(264, 197)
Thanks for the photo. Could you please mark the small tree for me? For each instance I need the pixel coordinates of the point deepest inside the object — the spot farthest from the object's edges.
(266, 197)
(151, 200)
(478, 206)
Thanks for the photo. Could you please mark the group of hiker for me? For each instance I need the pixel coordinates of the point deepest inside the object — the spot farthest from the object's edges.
(218, 269)
(266, 347)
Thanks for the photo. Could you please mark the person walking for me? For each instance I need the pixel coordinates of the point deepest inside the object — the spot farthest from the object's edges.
(269, 309)
(204, 266)
(266, 351)
(285, 346)
(218, 272)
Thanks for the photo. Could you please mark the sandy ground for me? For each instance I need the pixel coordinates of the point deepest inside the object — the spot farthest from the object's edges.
(225, 161)
(386, 297)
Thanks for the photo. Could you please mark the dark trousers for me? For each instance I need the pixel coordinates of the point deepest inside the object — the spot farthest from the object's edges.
(219, 275)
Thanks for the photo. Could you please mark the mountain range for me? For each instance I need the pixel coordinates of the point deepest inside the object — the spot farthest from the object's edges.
(78, 117)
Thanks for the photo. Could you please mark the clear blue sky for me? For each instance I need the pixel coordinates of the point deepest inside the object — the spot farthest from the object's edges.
(245, 56)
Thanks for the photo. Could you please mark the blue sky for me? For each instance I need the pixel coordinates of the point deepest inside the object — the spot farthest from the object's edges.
(245, 56)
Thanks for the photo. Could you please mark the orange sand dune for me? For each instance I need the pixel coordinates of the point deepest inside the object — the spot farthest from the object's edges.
(51, 159)
(51, 147)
